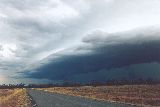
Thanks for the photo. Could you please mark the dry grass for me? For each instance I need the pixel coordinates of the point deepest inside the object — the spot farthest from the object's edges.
(14, 98)
(141, 95)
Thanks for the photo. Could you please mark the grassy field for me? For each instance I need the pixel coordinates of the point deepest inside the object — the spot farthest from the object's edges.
(14, 98)
(141, 95)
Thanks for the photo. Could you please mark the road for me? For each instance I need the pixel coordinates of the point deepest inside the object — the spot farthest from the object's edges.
(48, 99)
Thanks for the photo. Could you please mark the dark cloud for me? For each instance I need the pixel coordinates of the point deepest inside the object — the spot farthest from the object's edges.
(106, 53)
(31, 30)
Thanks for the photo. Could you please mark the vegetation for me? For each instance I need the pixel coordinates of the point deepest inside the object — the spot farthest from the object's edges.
(141, 95)
(14, 98)
(112, 90)
(76, 84)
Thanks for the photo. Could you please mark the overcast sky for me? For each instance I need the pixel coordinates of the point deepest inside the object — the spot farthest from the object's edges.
(38, 37)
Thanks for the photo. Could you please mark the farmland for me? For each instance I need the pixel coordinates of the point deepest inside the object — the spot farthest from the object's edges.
(14, 98)
(140, 95)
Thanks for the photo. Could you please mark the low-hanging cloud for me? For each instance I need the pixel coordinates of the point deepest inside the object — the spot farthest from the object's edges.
(43, 32)
(105, 52)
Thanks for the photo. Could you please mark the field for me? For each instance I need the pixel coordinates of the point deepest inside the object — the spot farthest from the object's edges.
(140, 95)
(14, 98)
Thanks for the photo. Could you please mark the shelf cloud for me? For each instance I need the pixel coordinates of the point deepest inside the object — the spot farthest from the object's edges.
(66, 39)
(101, 51)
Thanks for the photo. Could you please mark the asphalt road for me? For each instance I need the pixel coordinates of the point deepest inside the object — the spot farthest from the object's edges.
(48, 99)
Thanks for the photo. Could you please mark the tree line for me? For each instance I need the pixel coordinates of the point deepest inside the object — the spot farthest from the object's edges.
(77, 84)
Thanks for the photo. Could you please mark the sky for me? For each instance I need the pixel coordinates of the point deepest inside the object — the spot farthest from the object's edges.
(46, 41)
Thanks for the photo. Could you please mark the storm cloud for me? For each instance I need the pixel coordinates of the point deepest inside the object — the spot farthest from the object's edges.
(103, 52)
(86, 37)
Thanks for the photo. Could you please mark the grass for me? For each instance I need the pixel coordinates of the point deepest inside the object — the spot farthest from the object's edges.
(14, 98)
(140, 95)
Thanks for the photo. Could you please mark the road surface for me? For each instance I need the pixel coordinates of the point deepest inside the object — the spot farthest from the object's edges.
(48, 99)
